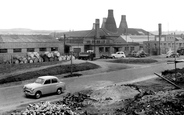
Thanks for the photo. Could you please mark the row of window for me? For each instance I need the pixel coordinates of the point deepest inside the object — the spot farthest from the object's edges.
(169, 44)
(19, 50)
(107, 49)
(98, 41)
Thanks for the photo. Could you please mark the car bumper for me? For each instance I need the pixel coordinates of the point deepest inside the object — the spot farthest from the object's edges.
(27, 92)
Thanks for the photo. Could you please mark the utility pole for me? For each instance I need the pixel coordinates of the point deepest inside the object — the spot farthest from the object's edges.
(64, 43)
(148, 45)
(160, 32)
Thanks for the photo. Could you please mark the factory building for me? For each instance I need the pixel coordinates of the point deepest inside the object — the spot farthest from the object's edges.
(107, 38)
(19, 45)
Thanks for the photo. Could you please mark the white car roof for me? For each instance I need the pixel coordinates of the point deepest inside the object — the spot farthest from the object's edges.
(47, 77)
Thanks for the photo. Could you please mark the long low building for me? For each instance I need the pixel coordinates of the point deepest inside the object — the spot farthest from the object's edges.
(20, 45)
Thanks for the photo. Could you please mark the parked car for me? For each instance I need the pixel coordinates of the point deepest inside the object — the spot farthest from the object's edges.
(89, 55)
(172, 55)
(44, 85)
(141, 53)
(119, 54)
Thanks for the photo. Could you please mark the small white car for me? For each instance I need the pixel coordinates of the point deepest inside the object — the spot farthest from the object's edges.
(44, 85)
(119, 54)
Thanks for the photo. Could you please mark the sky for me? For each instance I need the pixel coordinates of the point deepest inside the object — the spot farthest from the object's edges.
(81, 14)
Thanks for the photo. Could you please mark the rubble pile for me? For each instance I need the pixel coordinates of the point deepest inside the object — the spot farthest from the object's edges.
(70, 105)
(161, 103)
(176, 76)
(46, 108)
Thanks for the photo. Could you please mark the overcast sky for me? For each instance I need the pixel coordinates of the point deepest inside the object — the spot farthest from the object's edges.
(81, 14)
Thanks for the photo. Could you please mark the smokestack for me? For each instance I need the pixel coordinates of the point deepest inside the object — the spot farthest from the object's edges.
(110, 24)
(123, 23)
(103, 23)
(97, 25)
(93, 26)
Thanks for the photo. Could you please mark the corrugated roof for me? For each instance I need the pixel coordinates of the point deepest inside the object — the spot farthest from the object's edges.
(27, 38)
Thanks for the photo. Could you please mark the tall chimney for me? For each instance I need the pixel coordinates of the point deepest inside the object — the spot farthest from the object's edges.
(97, 25)
(93, 26)
(110, 24)
(103, 23)
(123, 23)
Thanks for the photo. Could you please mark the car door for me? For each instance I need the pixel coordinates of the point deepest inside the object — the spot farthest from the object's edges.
(118, 55)
(54, 84)
(47, 87)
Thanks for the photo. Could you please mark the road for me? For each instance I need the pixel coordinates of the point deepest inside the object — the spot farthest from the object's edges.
(11, 97)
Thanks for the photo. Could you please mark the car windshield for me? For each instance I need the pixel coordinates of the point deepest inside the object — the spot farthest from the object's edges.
(39, 80)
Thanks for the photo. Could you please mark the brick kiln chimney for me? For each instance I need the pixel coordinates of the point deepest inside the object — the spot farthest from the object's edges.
(110, 24)
(123, 27)
(103, 23)
(123, 23)
(97, 25)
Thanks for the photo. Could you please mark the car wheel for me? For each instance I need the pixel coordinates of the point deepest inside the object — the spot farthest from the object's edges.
(59, 91)
(38, 95)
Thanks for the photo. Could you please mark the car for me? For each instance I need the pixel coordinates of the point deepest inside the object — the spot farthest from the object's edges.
(44, 85)
(141, 53)
(119, 54)
(172, 55)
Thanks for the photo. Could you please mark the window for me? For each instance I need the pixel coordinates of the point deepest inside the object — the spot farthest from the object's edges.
(30, 49)
(126, 48)
(3, 50)
(131, 48)
(101, 49)
(54, 49)
(107, 49)
(16, 50)
(98, 42)
(88, 42)
(42, 49)
(54, 80)
(47, 81)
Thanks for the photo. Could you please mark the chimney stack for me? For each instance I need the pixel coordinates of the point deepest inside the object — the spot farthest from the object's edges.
(97, 25)
(93, 26)
(110, 24)
(103, 23)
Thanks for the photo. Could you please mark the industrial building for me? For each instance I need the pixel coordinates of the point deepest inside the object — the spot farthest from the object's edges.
(19, 45)
(107, 38)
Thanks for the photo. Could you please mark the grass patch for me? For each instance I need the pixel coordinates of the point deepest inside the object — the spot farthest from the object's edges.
(56, 70)
(8, 68)
(134, 61)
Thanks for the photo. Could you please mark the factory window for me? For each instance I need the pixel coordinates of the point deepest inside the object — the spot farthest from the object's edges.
(30, 49)
(126, 48)
(101, 49)
(107, 49)
(98, 42)
(132, 48)
(88, 42)
(3, 50)
(42, 49)
(54, 49)
(17, 50)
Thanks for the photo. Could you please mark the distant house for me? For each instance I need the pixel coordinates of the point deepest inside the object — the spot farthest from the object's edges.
(19, 45)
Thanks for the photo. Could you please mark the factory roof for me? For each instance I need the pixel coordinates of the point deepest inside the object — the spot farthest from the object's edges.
(27, 38)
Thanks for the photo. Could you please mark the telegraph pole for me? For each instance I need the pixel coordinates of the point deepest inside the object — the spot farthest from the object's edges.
(160, 32)
(64, 43)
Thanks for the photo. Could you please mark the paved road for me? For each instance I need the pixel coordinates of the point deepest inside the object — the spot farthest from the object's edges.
(11, 97)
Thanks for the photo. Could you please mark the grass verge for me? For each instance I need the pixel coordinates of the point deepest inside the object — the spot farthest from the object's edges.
(56, 70)
(134, 61)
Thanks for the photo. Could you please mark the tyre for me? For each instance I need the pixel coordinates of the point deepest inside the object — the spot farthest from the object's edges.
(38, 95)
(59, 91)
